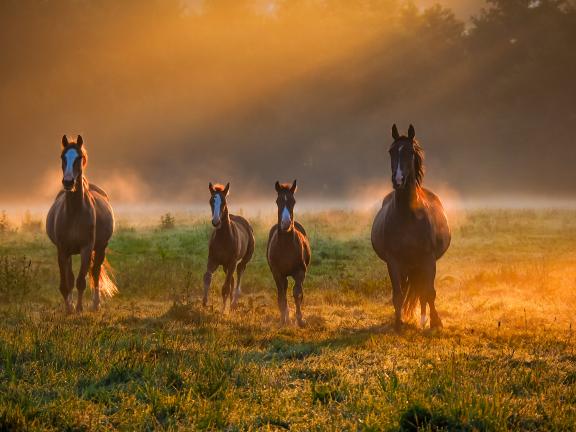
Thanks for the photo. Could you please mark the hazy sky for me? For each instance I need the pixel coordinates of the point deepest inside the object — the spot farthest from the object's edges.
(167, 105)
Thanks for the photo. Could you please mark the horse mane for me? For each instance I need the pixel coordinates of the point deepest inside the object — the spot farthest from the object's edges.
(219, 187)
(286, 186)
(419, 158)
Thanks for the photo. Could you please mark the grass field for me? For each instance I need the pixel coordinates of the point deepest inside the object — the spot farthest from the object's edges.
(153, 359)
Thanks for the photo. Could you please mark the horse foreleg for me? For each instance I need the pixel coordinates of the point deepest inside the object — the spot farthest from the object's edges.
(85, 257)
(282, 287)
(99, 256)
(299, 296)
(210, 269)
(228, 284)
(66, 280)
(397, 293)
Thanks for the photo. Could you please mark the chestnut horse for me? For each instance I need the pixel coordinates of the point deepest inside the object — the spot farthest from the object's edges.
(288, 252)
(231, 245)
(410, 232)
(81, 221)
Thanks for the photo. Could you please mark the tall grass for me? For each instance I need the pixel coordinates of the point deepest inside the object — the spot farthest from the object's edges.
(154, 359)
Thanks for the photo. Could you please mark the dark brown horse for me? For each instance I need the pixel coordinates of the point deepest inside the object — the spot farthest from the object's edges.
(410, 232)
(231, 245)
(288, 252)
(81, 222)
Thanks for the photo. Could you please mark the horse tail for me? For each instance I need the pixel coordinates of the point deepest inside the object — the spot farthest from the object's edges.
(410, 301)
(106, 284)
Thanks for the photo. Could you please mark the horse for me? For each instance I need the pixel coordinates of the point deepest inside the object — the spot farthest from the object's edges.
(410, 232)
(231, 245)
(288, 252)
(81, 221)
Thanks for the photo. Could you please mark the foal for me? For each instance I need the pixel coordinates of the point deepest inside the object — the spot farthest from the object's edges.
(231, 245)
(81, 222)
(288, 252)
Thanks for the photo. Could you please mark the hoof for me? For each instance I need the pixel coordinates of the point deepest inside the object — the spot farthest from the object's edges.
(436, 325)
(79, 308)
(204, 302)
(95, 308)
(301, 322)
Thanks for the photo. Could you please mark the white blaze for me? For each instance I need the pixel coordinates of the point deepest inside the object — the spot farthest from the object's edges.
(285, 216)
(217, 206)
(399, 173)
(70, 157)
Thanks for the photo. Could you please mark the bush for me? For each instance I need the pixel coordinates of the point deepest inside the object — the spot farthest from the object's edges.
(167, 222)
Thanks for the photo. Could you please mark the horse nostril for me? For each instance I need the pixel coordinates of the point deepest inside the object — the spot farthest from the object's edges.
(68, 183)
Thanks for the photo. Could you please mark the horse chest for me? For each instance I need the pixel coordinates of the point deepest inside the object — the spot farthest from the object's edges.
(223, 249)
(77, 234)
(286, 258)
(409, 238)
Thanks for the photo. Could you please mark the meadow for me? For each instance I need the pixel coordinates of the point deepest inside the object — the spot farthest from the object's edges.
(154, 359)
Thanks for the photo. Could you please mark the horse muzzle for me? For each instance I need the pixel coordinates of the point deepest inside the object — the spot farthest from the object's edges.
(68, 184)
(216, 222)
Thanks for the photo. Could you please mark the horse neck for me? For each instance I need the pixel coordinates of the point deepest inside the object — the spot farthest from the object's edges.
(286, 236)
(407, 198)
(225, 230)
(76, 199)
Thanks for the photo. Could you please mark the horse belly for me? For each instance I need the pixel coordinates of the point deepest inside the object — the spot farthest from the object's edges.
(380, 241)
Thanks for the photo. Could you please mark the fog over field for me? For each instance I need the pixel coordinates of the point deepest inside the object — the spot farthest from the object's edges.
(171, 95)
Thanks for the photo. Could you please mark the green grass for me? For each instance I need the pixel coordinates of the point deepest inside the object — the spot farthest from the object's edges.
(153, 359)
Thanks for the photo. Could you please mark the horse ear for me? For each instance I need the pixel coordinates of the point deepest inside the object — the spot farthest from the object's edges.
(227, 189)
(411, 132)
(79, 141)
(395, 133)
(64, 141)
(211, 187)
(277, 186)
(294, 187)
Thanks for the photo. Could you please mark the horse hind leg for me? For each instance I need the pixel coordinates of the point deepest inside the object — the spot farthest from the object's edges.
(228, 285)
(237, 290)
(428, 294)
(99, 256)
(423, 317)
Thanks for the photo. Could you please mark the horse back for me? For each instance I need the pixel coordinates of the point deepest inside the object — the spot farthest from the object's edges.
(98, 190)
(245, 238)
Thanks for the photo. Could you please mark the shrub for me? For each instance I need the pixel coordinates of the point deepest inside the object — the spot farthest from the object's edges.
(167, 222)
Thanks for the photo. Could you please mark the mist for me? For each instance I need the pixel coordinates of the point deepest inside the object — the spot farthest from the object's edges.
(170, 95)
